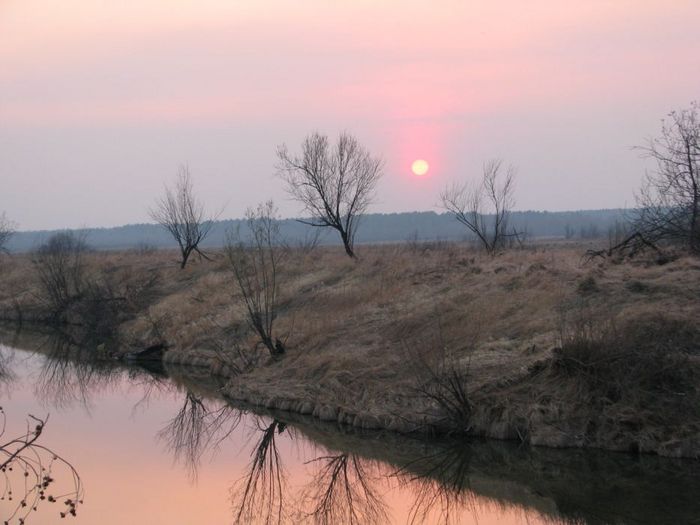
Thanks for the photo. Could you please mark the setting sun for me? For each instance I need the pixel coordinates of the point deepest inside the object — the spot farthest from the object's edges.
(419, 167)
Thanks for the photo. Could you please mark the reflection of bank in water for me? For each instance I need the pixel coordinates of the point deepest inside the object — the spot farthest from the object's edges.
(366, 476)
(448, 480)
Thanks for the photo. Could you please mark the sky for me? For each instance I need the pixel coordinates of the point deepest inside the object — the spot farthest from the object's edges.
(102, 101)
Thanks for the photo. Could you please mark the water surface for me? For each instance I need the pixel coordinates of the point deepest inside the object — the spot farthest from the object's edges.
(165, 449)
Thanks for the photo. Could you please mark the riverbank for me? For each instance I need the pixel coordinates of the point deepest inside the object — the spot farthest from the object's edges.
(550, 350)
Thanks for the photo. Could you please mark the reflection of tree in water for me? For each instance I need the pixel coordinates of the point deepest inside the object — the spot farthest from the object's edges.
(259, 496)
(440, 482)
(559, 486)
(7, 375)
(198, 427)
(28, 469)
(342, 491)
(71, 373)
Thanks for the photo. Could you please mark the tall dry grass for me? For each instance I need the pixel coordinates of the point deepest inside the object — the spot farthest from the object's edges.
(348, 322)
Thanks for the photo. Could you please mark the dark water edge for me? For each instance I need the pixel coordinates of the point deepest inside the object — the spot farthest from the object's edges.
(446, 476)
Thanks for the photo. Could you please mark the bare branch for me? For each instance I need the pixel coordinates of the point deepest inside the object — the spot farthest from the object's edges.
(27, 474)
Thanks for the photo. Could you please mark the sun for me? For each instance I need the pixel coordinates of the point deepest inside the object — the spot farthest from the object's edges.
(419, 167)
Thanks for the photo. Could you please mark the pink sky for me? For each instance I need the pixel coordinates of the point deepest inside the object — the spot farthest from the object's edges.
(101, 101)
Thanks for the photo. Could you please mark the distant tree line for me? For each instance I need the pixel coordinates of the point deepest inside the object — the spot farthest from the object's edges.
(376, 228)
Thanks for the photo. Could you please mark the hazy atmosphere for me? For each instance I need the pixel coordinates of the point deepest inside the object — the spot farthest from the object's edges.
(349, 262)
(100, 102)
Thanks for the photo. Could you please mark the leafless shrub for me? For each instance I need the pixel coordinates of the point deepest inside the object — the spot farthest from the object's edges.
(183, 216)
(232, 353)
(156, 328)
(334, 183)
(447, 387)
(485, 209)
(137, 288)
(618, 232)
(624, 242)
(96, 300)
(28, 470)
(255, 264)
(631, 246)
(59, 263)
(306, 244)
(442, 379)
(109, 299)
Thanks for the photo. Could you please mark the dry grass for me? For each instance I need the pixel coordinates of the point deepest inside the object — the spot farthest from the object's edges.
(348, 323)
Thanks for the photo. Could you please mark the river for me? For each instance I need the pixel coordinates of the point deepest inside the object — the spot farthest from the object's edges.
(162, 447)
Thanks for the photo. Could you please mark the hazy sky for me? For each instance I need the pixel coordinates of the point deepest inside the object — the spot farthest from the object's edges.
(100, 101)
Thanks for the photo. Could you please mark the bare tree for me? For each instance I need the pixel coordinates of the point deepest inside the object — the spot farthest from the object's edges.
(7, 230)
(485, 208)
(668, 205)
(255, 265)
(335, 183)
(183, 216)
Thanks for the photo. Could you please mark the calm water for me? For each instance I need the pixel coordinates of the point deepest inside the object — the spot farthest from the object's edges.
(163, 449)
